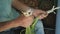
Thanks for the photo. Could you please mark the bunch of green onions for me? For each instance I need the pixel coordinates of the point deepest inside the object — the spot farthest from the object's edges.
(31, 29)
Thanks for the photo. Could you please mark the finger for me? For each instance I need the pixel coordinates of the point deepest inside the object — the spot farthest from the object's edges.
(42, 16)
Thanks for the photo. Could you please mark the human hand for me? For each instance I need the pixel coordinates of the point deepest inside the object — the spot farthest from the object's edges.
(24, 21)
(42, 14)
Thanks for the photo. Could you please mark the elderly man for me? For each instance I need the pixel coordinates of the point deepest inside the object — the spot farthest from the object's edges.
(10, 18)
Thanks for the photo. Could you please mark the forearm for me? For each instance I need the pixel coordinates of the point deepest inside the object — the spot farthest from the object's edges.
(6, 26)
(11, 24)
(19, 5)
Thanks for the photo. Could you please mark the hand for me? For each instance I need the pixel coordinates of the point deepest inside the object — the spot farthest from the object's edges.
(42, 14)
(24, 21)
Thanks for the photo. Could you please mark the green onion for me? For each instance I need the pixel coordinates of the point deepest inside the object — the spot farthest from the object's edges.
(31, 29)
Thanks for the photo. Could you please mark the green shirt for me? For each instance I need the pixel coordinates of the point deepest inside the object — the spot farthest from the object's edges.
(7, 13)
